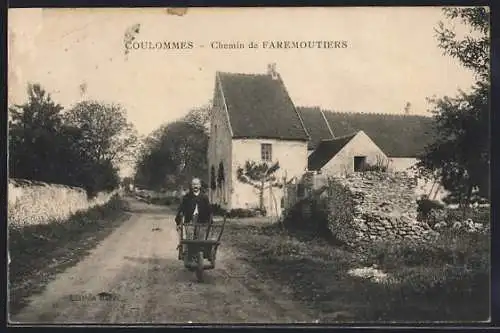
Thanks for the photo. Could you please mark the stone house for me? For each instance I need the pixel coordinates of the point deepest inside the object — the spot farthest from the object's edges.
(345, 155)
(399, 138)
(253, 119)
(342, 142)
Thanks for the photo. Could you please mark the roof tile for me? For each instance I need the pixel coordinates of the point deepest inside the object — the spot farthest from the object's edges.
(260, 107)
(315, 125)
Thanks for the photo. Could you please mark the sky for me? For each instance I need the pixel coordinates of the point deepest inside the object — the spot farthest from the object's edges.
(391, 57)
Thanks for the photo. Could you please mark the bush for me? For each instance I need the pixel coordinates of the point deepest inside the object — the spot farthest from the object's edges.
(467, 249)
(447, 280)
(167, 201)
(217, 210)
(429, 211)
(453, 271)
(243, 213)
(375, 168)
(478, 215)
(340, 207)
(328, 213)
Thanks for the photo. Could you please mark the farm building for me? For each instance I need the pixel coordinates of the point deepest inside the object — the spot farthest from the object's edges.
(253, 119)
(400, 138)
(316, 125)
(346, 154)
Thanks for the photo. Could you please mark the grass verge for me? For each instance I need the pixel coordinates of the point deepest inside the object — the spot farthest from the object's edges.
(39, 252)
(427, 283)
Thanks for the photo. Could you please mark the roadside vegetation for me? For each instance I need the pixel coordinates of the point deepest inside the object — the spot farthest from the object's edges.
(40, 251)
(447, 280)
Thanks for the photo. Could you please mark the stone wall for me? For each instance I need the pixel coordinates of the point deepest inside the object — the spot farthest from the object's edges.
(220, 150)
(384, 208)
(31, 202)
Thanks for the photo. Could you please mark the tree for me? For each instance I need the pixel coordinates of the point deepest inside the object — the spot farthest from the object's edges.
(153, 168)
(176, 152)
(40, 146)
(106, 133)
(259, 175)
(407, 108)
(105, 140)
(200, 117)
(460, 154)
(472, 50)
(78, 148)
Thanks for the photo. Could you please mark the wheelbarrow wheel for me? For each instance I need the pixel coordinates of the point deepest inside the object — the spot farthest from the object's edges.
(199, 267)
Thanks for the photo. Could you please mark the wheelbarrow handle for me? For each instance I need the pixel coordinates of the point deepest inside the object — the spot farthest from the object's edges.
(222, 229)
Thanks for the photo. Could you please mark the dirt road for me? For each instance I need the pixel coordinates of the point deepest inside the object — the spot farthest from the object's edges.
(133, 276)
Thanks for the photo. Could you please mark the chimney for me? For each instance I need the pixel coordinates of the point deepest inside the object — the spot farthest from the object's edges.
(271, 70)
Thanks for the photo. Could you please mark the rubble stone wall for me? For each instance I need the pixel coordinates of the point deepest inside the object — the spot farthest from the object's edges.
(383, 208)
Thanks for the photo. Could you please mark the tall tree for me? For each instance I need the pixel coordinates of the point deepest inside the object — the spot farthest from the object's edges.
(176, 152)
(79, 148)
(200, 117)
(106, 133)
(460, 155)
(37, 144)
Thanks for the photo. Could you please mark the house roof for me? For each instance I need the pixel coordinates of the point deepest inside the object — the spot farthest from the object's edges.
(395, 135)
(260, 107)
(315, 124)
(326, 150)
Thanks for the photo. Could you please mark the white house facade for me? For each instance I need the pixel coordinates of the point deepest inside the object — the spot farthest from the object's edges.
(291, 156)
(345, 155)
(253, 119)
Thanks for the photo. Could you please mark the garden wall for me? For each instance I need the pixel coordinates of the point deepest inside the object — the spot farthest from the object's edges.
(31, 202)
(384, 207)
(364, 207)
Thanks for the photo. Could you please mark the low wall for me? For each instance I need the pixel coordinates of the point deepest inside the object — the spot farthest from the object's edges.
(384, 208)
(361, 208)
(31, 202)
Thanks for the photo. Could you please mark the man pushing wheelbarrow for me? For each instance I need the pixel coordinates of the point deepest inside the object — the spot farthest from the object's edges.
(194, 223)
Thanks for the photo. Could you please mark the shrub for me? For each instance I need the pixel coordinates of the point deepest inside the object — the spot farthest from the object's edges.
(167, 201)
(307, 215)
(478, 215)
(374, 167)
(328, 212)
(217, 210)
(340, 208)
(465, 249)
(243, 213)
(429, 211)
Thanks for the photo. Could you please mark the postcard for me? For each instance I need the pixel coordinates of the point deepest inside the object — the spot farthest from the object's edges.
(199, 166)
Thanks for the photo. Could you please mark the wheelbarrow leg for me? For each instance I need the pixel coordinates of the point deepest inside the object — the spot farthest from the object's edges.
(199, 266)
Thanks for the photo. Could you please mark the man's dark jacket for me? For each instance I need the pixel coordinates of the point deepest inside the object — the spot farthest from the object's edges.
(187, 207)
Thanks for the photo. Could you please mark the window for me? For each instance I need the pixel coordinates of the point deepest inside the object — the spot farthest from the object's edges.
(220, 175)
(213, 180)
(266, 152)
(359, 163)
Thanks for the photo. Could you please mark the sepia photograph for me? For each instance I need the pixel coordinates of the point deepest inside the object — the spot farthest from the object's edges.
(220, 166)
